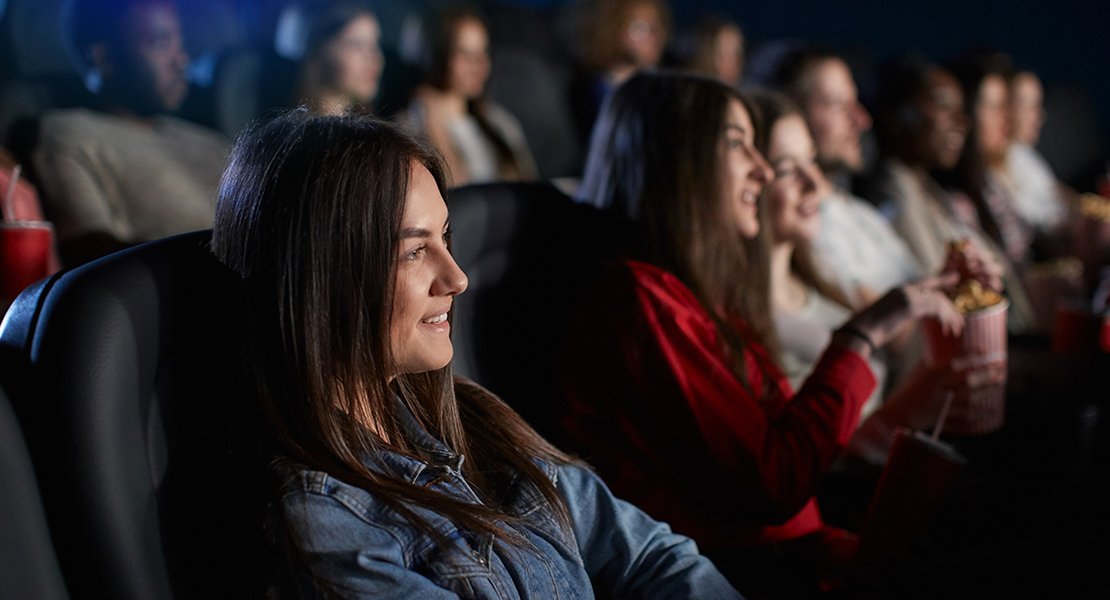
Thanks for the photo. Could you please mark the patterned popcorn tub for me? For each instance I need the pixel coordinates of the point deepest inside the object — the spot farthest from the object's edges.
(979, 352)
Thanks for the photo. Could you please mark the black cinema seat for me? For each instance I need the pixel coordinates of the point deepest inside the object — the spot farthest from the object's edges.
(28, 567)
(529, 252)
(127, 377)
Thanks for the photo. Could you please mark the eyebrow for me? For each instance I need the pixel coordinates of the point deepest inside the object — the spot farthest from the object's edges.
(737, 128)
(420, 232)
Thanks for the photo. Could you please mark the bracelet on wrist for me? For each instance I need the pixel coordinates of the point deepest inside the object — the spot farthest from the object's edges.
(854, 331)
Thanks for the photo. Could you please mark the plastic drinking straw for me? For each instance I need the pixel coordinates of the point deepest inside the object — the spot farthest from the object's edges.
(9, 197)
(943, 415)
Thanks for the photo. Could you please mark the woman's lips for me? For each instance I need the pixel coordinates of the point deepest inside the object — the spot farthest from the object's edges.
(436, 319)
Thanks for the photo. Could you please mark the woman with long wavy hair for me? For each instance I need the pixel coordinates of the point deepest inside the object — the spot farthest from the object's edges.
(392, 478)
(674, 393)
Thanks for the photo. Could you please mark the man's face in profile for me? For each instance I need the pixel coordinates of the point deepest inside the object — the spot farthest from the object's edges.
(152, 60)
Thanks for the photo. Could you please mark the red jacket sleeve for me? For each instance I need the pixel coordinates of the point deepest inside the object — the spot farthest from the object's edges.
(655, 387)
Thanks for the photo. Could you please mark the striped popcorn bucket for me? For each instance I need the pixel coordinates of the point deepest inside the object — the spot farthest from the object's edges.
(979, 352)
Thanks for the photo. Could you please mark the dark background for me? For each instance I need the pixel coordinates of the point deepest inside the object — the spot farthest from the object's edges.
(1065, 41)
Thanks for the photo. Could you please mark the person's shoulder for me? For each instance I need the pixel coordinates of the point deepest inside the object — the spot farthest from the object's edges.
(656, 286)
(77, 117)
(499, 114)
(645, 273)
(865, 210)
(196, 131)
(299, 485)
(71, 125)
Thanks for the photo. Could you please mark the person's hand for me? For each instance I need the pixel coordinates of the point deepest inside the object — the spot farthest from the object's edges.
(917, 402)
(971, 261)
(968, 394)
(882, 321)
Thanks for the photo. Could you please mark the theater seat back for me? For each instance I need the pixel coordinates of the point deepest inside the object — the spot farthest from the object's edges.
(127, 375)
(28, 567)
(529, 252)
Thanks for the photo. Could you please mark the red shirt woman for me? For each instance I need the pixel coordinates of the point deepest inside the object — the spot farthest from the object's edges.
(657, 410)
(674, 396)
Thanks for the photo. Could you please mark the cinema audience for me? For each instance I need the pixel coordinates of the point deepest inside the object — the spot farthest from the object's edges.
(480, 140)
(128, 172)
(982, 166)
(675, 395)
(922, 131)
(808, 309)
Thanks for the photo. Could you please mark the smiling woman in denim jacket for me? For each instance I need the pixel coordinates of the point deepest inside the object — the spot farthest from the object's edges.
(394, 479)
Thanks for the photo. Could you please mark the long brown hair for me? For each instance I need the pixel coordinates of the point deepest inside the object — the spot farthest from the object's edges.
(775, 107)
(654, 159)
(309, 213)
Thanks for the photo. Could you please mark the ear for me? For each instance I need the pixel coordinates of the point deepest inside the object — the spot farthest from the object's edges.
(100, 57)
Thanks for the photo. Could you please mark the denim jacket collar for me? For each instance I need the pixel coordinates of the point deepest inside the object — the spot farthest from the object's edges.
(408, 468)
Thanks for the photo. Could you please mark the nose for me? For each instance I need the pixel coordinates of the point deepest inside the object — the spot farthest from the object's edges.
(861, 117)
(179, 58)
(811, 178)
(762, 172)
(451, 280)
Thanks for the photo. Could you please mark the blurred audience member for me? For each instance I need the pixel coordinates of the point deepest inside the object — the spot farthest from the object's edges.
(807, 309)
(480, 140)
(342, 61)
(821, 83)
(1037, 193)
(128, 173)
(982, 166)
(922, 130)
(619, 37)
(716, 49)
(858, 249)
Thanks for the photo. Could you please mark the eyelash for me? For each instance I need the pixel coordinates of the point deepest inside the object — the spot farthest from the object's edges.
(415, 252)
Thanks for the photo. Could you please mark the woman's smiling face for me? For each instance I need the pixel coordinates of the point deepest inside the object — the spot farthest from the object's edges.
(795, 193)
(426, 281)
(743, 170)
